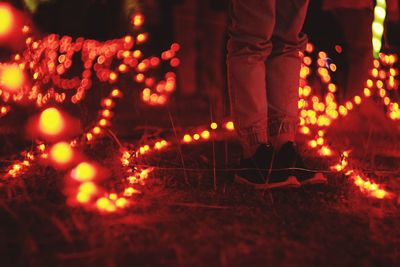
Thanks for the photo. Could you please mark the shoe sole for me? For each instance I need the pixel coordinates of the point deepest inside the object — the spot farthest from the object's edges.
(317, 179)
(291, 182)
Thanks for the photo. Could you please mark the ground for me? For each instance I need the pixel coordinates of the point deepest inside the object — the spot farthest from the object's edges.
(181, 220)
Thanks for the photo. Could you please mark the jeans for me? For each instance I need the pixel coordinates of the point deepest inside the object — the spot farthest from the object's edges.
(263, 64)
(357, 49)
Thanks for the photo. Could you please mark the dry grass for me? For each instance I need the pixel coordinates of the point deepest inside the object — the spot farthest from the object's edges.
(179, 223)
(180, 220)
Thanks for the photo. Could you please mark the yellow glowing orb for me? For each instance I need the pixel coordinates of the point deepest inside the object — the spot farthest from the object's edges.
(12, 77)
(104, 204)
(61, 153)
(88, 188)
(84, 172)
(6, 19)
(230, 126)
(51, 122)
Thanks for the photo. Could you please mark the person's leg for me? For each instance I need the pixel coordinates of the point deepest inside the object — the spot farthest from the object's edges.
(283, 68)
(249, 45)
(186, 35)
(212, 37)
(357, 48)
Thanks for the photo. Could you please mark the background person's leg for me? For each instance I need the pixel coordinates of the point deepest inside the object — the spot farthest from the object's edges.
(212, 38)
(185, 34)
(283, 68)
(252, 23)
(357, 48)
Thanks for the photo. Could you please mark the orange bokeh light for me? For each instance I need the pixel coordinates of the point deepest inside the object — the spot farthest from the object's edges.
(61, 153)
(230, 126)
(187, 138)
(84, 172)
(51, 122)
(11, 77)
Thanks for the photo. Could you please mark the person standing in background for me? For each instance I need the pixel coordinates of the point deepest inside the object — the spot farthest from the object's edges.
(200, 29)
(354, 18)
(263, 60)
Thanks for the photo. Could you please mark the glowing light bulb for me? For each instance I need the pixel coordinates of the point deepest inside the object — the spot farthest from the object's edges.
(51, 122)
(86, 191)
(230, 126)
(84, 172)
(12, 77)
(205, 134)
(137, 20)
(104, 204)
(61, 153)
(187, 138)
(88, 188)
(6, 19)
(121, 202)
(378, 26)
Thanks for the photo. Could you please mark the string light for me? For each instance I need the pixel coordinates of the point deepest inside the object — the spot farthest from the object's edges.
(11, 77)
(61, 153)
(47, 62)
(51, 122)
(378, 26)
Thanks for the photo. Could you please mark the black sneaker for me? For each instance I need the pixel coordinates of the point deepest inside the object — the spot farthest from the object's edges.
(256, 171)
(289, 162)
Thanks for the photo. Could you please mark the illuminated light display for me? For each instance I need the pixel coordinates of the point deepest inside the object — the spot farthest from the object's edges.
(311, 111)
(378, 26)
(11, 77)
(214, 126)
(50, 59)
(88, 188)
(205, 134)
(45, 63)
(51, 122)
(229, 126)
(6, 19)
(121, 203)
(105, 204)
(187, 138)
(137, 20)
(61, 153)
(84, 172)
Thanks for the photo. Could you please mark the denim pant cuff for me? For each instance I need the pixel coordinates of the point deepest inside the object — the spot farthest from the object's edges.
(253, 138)
(288, 126)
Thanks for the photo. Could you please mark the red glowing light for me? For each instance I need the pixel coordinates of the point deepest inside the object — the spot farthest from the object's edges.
(175, 62)
(137, 20)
